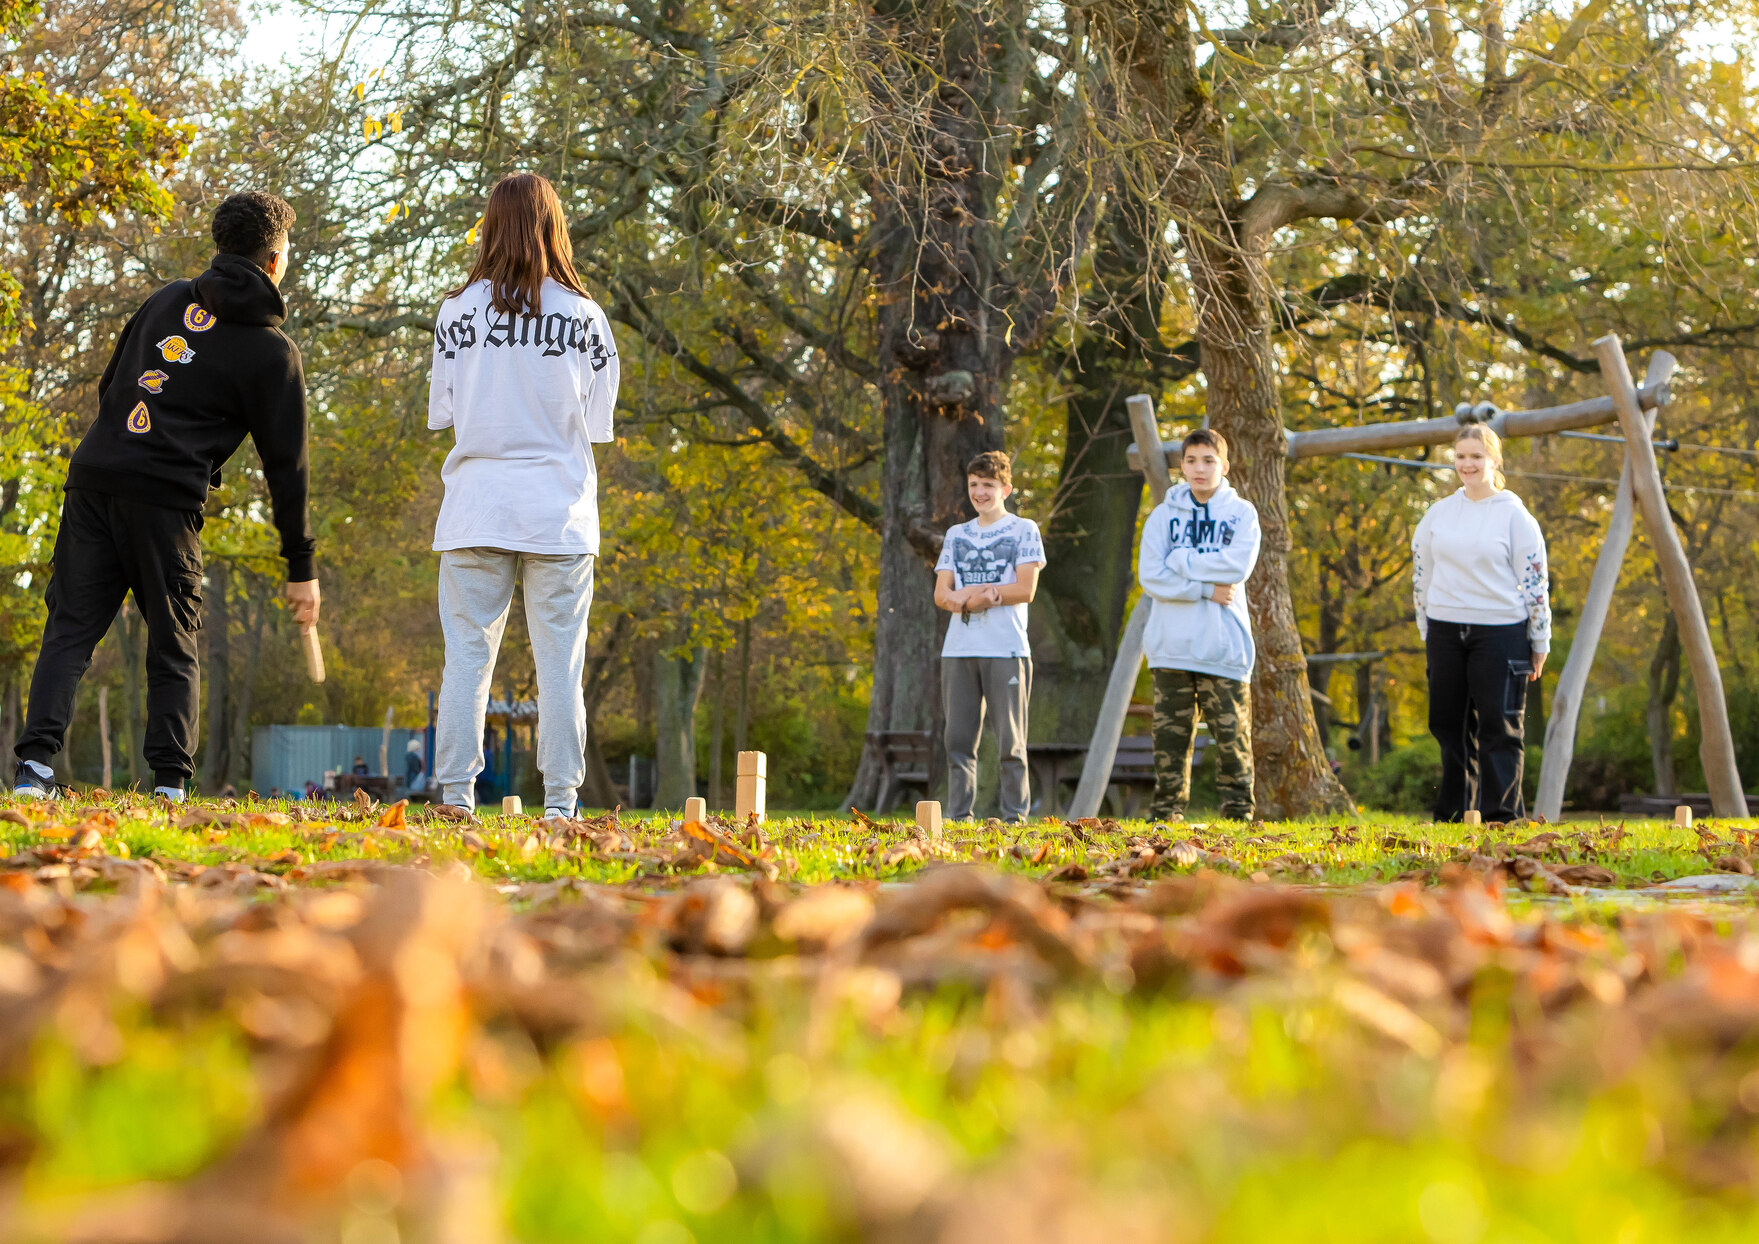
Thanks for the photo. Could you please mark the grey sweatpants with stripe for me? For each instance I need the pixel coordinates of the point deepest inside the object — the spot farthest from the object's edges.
(968, 686)
(476, 594)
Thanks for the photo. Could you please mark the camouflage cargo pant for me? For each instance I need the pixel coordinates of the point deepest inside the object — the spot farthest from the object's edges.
(1226, 704)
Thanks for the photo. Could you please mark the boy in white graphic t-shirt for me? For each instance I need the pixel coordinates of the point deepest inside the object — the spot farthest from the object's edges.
(986, 576)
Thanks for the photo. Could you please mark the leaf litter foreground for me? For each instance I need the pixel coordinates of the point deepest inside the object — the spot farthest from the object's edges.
(292, 1024)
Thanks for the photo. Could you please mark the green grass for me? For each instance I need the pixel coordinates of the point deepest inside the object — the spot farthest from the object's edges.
(809, 848)
(762, 1109)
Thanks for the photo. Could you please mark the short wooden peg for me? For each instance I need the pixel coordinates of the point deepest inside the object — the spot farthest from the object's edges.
(1473, 817)
(511, 805)
(1682, 816)
(749, 788)
(928, 818)
(695, 809)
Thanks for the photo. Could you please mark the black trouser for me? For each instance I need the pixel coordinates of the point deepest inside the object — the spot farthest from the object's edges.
(1477, 708)
(107, 548)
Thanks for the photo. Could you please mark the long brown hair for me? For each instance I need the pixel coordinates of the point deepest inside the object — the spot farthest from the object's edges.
(522, 240)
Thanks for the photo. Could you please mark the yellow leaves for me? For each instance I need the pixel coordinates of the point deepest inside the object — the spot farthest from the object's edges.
(470, 234)
(395, 120)
(371, 128)
(397, 209)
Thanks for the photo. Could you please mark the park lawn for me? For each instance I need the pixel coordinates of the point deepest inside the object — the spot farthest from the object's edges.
(629, 1035)
(278, 838)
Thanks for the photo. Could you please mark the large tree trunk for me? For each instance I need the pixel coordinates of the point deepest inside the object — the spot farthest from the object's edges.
(677, 687)
(1090, 539)
(1664, 685)
(942, 356)
(1234, 333)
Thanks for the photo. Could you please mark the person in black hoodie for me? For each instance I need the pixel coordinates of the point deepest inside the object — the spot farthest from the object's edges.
(200, 366)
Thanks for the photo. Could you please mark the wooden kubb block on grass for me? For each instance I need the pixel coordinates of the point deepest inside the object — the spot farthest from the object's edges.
(749, 792)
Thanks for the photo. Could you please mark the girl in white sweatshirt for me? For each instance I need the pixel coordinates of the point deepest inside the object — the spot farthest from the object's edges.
(525, 375)
(1483, 606)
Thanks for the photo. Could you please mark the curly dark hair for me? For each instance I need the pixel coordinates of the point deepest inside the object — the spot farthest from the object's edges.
(250, 224)
(992, 464)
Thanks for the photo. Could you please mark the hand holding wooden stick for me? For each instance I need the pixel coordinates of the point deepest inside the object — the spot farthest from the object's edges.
(305, 599)
(314, 654)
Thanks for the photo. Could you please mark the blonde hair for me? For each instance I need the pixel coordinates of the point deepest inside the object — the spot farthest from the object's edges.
(1492, 443)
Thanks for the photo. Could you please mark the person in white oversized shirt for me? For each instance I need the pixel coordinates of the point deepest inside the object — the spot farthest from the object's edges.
(525, 374)
(1481, 592)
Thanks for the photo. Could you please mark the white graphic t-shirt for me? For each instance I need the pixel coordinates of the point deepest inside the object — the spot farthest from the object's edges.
(979, 555)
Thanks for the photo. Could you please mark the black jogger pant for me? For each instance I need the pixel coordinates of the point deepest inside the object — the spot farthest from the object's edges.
(1477, 709)
(107, 548)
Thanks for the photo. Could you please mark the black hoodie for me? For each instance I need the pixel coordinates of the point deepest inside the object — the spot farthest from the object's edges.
(202, 364)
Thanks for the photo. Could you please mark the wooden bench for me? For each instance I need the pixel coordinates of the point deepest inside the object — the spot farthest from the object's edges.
(1132, 780)
(906, 763)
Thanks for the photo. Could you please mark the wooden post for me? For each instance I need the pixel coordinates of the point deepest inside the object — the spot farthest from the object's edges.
(928, 819)
(748, 794)
(1717, 750)
(104, 731)
(1373, 437)
(1472, 816)
(511, 806)
(1566, 700)
(1102, 747)
(695, 809)
(1682, 816)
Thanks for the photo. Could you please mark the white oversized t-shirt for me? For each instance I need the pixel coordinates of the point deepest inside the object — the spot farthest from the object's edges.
(979, 555)
(526, 398)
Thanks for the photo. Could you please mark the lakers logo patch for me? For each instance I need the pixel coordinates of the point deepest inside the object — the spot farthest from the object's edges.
(152, 381)
(175, 350)
(139, 420)
(197, 319)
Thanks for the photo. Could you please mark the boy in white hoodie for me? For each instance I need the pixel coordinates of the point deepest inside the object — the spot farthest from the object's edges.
(1198, 548)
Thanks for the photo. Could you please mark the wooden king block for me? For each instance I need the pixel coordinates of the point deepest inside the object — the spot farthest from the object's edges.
(1473, 817)
(696, 809)
(511, 805)
(748, 791)
(928, 819)
(1682, 816)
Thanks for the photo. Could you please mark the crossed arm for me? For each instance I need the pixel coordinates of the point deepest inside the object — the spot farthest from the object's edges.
(1174, 574)
(977, 598)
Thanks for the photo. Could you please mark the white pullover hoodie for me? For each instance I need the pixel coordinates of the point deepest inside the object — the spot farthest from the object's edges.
(1189, 546)
(1481, 563)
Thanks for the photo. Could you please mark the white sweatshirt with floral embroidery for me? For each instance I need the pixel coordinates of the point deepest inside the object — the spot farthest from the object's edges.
(1483, 563)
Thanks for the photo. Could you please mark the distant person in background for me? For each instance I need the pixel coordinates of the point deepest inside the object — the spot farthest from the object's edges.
(313, 790)
(413, 767)
(526, 375)
(360, 769)
(1483, 604)
(1199, 546)
(986, 577)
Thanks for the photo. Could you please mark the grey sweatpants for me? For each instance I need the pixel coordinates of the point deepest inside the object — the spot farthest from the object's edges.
(476, 592)
(968, 685)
